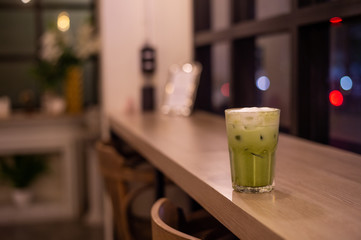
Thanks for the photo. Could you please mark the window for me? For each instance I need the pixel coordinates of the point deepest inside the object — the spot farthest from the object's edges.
(345, 84)
(22, 22)
(273, 74)
(286, 54)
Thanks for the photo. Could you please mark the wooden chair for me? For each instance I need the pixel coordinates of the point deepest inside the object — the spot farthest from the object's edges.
(170, 223)
(118, 174)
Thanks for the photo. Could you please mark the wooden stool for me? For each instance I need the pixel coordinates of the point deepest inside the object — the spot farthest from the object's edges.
(118, 174)
(169, 223)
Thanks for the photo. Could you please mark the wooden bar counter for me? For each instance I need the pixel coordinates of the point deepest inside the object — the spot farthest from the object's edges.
(317, 193)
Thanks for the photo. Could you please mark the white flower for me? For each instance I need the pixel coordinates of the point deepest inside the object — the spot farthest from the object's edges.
(54, 43)
(87, 42)
(50, 50)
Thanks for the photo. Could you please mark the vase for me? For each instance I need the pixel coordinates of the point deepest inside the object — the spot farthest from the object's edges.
(22, 197)
(52, 103)
(5, 107)
(74, 89)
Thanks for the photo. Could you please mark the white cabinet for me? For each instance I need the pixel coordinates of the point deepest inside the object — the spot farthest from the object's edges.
(58, 194)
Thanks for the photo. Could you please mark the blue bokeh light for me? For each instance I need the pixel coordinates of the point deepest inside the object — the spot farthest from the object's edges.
(263, 83)
(346, 83)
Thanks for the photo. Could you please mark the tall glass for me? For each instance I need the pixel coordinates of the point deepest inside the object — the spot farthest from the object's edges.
(252, 141)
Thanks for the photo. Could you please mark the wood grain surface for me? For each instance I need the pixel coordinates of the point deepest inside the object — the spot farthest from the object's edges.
(317, 193)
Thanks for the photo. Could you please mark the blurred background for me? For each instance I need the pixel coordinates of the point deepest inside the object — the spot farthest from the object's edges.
(66, 64)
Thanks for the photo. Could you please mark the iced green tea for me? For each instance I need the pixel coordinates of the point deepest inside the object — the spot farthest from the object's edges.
(252, 140)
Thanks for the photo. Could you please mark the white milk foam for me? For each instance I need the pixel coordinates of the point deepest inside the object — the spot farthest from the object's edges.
(253, 116)
(251, 109)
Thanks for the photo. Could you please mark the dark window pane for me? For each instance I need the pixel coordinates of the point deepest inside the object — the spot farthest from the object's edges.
(243, 89)
(17, 32)
(272, 76)
(90, 84)
(201, 15)
(204, 92)
(18, 83)
(313, 68)
(305, 3)
(262, 70)
(242, 10)
(345, 77)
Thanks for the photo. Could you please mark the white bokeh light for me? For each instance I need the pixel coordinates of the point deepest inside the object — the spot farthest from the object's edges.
(346, 83)
(187, 68)
(63, 21)
(263, 83)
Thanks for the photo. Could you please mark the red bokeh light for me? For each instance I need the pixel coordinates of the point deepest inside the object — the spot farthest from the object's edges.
(225, 89)
(336, 98)
(335, 20)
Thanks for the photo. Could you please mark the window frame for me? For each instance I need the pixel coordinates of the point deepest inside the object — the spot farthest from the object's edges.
(292, 22)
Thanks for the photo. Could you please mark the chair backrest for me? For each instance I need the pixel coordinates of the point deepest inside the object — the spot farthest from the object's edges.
(114, 166)
(117, 176)
(166, 220)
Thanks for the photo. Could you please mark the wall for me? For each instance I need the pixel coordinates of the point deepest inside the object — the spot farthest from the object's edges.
(123, 32)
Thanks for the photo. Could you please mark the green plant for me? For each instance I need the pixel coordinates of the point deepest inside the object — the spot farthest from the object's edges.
(51, 75)
(21, 170)
(60, 50)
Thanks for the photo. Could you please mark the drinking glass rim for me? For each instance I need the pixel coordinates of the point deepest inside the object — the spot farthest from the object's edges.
(250, 110)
